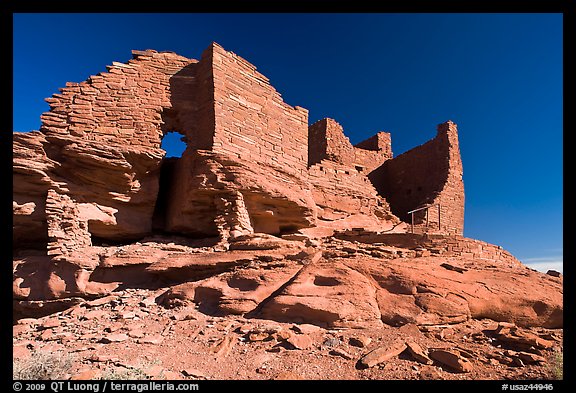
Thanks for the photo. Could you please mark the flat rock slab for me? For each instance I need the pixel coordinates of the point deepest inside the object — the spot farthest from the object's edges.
(114, 338)
(154, 339)
(191, 266)
(300, 341)
(342, 353)
(452, 359)
(101, 301)
(381, 354)
(360, 341)
(418, 353)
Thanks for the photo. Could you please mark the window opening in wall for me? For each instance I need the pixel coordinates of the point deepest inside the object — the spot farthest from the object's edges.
(359, 168)
(174, 144)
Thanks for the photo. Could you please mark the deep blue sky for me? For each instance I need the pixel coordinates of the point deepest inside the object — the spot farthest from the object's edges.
(498, 76)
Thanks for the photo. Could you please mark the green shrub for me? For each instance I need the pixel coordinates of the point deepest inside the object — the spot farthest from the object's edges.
(557, 367)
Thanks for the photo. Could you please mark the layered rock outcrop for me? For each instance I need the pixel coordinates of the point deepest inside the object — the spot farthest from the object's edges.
(261, 216)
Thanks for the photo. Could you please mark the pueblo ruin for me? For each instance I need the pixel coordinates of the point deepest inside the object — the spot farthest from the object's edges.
(263, 216)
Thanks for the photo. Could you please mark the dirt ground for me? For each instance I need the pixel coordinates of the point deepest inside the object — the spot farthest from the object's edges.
(127, 335)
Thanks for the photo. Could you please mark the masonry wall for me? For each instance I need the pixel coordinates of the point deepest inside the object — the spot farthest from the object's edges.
(252, 122)
(435, 245)
(326, 141)
(122, 106)
(428, 174)
(372, 152)
(341, 188)
(105, 133)
(337, 170)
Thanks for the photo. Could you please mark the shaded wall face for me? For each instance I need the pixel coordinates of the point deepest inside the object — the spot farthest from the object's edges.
(428, 174)
(252, 122)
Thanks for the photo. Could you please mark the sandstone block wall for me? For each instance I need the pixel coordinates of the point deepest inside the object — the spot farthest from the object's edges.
(105, 135)
(120, 107)
(428, 174)
(371, 153)
(253, 123)
(341, 190)
(30, 187)
(338, 170)
(452, 245)
(327, 141)
(251, 162)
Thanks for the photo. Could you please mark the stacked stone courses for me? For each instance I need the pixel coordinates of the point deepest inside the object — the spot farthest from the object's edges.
(251, 163)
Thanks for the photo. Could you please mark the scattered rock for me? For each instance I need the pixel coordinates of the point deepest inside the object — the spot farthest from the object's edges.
(454, 268)
(360, 341)
(244, 329)
(341, 353)
(553, 273)
(19, 329)
(300, 341)
(258, 336)
(101, 301)
(282, 335)
(452, 359)
(103, 358)
(49, 323)
(86, 375)
(47, 335)
(418, 353)
(114, 338)
(155, 339)
(306, 328)
(94, 314)
(194, 373)
(155, 372)
(381, 354)
(223, 348)
(525, 357)
(516, 337)
(136, 333)
(430, 373)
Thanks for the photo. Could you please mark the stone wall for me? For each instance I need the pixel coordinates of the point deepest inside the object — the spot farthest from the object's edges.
(428, 174)
(435, 244)
(372, 152)
(340, 190)
(327, 141)
(66, 231)
(251, 162)
(122, 106)
(337, 170)
(252, 121)
(30, 185)
(105, 133)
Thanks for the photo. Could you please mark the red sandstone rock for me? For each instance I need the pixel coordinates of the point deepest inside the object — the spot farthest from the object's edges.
(300, 341)
(451, 359)
(418, 352)
(342, 353)
(281, 211)
(114, 338)
(360, 341)
(326, 295)
(382, 354)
